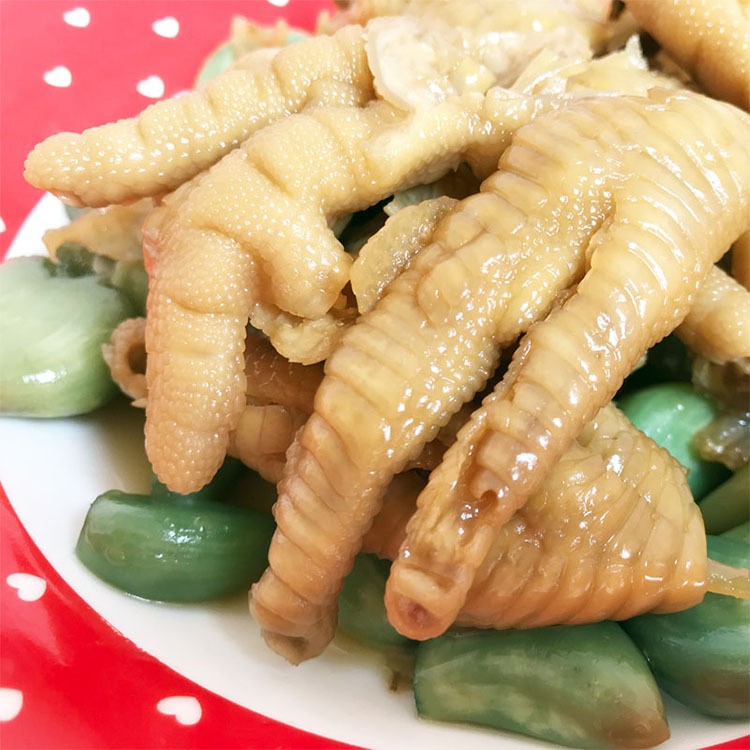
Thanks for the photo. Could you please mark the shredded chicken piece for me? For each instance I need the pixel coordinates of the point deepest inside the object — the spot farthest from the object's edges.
(389, 251)
(114, 231)
(273, 379)
(125, 355)
(418, 62)
(477, 129)
(301, 339)
(485, 17)
(262, 436)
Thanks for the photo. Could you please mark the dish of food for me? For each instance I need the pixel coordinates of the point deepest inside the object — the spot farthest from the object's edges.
(338, 126)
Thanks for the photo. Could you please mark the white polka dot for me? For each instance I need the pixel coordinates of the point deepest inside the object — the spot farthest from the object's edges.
(185, 709)
(60, 77)
(11, 702)
(151, 87)
(168, 27)
(2, 225)
(78, 17)
(28, 587)
(279, 3)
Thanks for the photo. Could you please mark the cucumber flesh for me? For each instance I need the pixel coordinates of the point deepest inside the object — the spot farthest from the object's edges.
(51, 331)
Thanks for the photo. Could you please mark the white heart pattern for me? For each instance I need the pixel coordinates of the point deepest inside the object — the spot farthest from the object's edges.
(168, 27)
(78, 17)
(59, 77)
(151, 87)
(11, 702)
(185, 708)
(29, 587)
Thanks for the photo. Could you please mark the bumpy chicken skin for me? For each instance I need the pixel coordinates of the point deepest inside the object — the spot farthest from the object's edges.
(173, 140)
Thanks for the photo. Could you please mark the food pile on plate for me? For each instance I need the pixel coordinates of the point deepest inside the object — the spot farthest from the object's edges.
(468, 283)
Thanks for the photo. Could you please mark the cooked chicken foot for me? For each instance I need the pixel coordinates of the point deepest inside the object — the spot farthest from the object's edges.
(495, 265)
(710, 38)
(255, 230)
(689, 171)
(612, 532)
(718, 324)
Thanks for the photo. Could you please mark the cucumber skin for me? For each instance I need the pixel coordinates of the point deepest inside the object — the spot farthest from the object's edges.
(728, 505)
(583, 686)
(174, 552)
(701, 656)
(671, 414)
(51, 332)
(739, 533)
(361, 609)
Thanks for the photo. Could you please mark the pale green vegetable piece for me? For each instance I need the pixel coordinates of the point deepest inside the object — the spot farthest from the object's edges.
(52, 327)
(582, 685)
